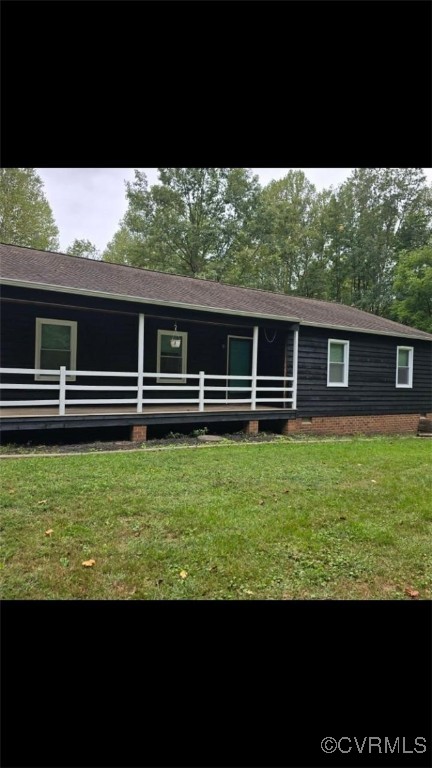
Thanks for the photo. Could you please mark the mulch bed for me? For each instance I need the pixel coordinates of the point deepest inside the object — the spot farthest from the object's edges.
(127, 445)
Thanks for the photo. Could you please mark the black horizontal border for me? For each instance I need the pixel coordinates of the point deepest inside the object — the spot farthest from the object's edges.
(170, 684)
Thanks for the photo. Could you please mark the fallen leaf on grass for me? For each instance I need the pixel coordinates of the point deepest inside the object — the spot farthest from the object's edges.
(88, 563)
(183, 574)
(12, 490)
(374, 481)
(248, 592)
(412, 593)
(49, 532)
(44, 501)
(261, 502)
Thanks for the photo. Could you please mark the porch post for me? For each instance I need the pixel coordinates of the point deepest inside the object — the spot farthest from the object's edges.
(254, 367)
(201, 390)
(62, 391)
(295, 368)
(140, 362)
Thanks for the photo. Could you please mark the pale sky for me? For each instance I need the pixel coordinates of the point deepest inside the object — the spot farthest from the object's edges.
(89, 202)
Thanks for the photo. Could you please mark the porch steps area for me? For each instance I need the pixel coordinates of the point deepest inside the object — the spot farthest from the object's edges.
(424, 427)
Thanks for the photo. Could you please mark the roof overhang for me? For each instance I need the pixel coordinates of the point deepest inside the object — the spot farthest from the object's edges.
(353, 329)
(201, 308)
(143, 300)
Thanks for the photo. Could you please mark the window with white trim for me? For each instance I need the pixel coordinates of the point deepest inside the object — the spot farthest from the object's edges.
(337, 363)
(172, 356)
(56, 345)
(404, 366)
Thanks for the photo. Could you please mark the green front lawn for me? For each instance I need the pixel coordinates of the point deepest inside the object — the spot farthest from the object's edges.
(344, 519)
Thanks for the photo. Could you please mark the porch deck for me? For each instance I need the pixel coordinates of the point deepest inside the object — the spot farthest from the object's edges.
(124, 410)
(47, 417)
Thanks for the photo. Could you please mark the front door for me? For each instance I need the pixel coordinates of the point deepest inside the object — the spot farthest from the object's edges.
(239, 363)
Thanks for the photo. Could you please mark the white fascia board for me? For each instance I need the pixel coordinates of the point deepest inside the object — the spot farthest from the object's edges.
(354, 329)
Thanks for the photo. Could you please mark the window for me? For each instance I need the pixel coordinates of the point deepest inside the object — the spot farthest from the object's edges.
(172, 359)
(337, 364)
(56, 345)
(404, 367)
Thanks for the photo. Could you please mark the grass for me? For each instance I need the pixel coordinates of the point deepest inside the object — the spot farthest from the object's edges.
(347, 519)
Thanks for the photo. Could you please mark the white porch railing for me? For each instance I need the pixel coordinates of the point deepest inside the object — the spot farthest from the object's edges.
(200, 385)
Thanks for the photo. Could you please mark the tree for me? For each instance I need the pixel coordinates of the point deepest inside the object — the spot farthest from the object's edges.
(372, 217)
(83, 248)
(193, 222)
(289, 255)
(341, 245)
(334, 246)
(25, 214)
(413, 288)
(124, 248)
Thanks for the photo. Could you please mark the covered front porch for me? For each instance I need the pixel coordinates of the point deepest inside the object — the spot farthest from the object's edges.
(251, 377)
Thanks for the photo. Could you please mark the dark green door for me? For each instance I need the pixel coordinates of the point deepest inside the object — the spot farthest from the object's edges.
(239, 363)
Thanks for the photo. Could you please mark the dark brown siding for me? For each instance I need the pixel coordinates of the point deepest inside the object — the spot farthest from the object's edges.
(207, 346)
(107, 339)
(104, 342)
(372, 375)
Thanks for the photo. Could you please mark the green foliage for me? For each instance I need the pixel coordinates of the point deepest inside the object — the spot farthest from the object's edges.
(413, 289)
(287, 230)
(373, 215)
(340, 244)
(124, 248)
(83, 248)
(199, 432)
(25, 214)
(192, 223)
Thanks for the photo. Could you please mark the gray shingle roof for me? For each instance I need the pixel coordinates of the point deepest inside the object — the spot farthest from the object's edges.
(43, 268)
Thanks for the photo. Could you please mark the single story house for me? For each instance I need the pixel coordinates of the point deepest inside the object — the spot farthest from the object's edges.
(89, 343)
